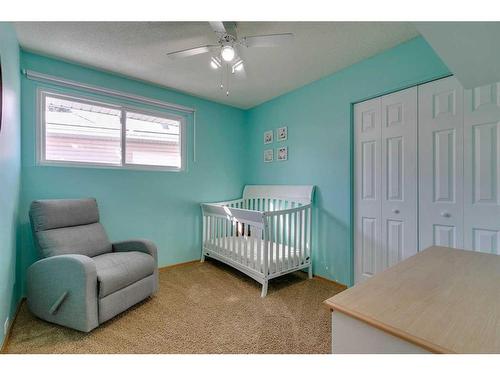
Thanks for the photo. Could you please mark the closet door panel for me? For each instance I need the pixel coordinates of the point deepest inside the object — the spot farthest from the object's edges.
(399, 176)
(367, 193)
(440, 150)
(481, 168)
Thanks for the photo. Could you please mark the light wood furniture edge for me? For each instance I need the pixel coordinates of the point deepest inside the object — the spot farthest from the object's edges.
(9, 330)
(433, 348)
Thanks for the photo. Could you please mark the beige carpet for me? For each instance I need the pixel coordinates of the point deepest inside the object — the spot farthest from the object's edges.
(200, 308)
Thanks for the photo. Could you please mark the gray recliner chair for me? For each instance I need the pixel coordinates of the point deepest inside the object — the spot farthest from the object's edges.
(84, 280)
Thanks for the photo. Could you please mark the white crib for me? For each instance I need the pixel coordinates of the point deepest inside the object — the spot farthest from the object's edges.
(265, 234)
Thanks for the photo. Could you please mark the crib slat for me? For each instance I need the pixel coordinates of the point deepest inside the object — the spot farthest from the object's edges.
(300, 233)
(229, 241)
(295, 263)
(240, 242)
(276, 249)
(209, 234)
(251, 240)
(258, 249)
(245, 238)
(306, 239)
(289, 242)
(272, 241)
(304, 234)
(233, 236)
(216, 235)
(204, 234)
(223, 236)
(219, 234)
(309, 230)
(283, 242)
(237, 244)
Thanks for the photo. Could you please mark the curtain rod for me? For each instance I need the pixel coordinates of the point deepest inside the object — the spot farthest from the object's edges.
(101, 90)
(41, 77)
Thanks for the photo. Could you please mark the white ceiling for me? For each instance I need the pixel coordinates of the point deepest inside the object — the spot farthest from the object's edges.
(138, 50)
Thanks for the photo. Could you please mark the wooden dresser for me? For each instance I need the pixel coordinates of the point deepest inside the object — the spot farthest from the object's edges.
(441, 300)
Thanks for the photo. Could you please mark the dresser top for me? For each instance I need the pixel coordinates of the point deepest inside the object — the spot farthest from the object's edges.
(444, 300)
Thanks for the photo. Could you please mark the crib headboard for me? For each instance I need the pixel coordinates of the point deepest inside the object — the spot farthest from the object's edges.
(297, 193)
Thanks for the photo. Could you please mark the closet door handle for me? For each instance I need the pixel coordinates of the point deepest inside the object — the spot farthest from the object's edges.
(396, 211)
(445, 214)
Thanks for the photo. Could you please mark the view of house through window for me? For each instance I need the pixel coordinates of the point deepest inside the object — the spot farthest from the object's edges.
(80, 131)
(152, 140)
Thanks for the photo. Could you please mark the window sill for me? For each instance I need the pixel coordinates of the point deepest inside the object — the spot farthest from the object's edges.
(126, 167)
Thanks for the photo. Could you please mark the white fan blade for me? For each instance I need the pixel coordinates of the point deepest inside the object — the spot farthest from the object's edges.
(241, 73)
(240, 50)
(238, 68)
(267, 40)
(218, 26)
(224, 27)
(191, 51)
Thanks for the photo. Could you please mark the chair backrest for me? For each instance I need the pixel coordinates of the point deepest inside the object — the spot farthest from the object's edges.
(68, 226)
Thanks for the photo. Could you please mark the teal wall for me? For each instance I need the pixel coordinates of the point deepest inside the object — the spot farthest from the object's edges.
(161, 206)
(319, 123)
(10, 164)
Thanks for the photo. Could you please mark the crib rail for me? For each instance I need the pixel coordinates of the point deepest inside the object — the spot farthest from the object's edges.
(235, 234)
(289, 233)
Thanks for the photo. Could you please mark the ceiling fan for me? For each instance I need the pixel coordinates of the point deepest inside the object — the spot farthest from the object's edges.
(228, 53)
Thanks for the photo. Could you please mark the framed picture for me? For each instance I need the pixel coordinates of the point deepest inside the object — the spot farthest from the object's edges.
(268, 155)
(282, 153)
(282, 134)
(268, 137)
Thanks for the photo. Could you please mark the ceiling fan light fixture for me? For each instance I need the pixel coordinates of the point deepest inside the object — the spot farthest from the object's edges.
(227, 53)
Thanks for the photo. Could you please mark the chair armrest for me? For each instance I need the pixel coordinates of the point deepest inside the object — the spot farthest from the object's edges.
(144, 246)
(63, 289)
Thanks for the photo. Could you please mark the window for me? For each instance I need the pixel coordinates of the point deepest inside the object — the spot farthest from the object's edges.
(78, 131)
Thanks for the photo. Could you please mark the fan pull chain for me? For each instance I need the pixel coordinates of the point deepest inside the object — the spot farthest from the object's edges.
(227, 79)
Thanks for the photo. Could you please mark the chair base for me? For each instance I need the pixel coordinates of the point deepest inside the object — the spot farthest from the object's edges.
(123, 299)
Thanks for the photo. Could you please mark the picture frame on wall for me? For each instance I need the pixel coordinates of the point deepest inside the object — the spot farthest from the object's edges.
(282, 153)
(282, 134)
(268, 137)
(268, 155)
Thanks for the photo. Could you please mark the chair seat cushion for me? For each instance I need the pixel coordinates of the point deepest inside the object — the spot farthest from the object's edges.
(118, 270)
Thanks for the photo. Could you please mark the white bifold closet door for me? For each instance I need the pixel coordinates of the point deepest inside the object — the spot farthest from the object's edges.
(459, 159)
(386, 182)
(481, 168)
(458, 177)
(440, 143)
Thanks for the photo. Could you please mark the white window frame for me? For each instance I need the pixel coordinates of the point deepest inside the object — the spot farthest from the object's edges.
(41, 159)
